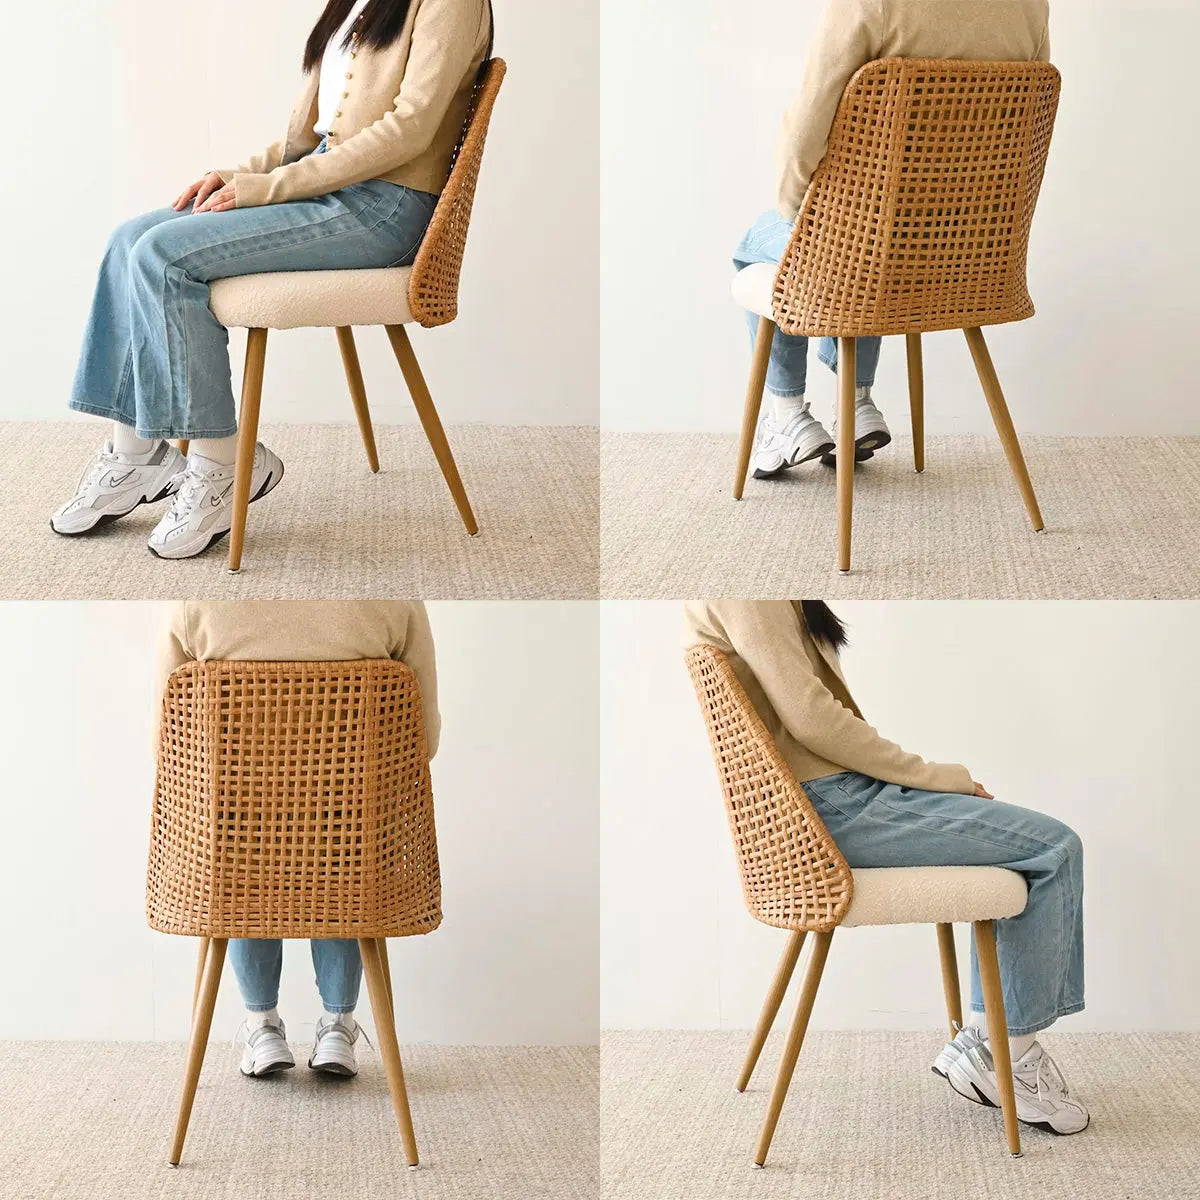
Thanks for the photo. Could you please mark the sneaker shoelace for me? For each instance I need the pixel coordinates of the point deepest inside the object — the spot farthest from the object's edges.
(104, 461)
(191, 490)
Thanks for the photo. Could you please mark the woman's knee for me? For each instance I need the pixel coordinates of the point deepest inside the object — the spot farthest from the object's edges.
(127, 234)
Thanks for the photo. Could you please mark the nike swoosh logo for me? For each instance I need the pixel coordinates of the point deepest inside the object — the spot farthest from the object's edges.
(216, 498)
(1028, 1087)
(115, 481)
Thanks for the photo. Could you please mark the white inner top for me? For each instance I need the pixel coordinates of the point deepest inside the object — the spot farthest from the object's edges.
(334, 66)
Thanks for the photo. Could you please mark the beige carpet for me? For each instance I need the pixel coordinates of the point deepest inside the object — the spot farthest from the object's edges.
(93, 1122)
(331, 530)
(1122, 518)
(866, 1119)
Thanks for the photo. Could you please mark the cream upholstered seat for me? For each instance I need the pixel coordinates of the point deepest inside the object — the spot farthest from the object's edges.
(933, 895)
(425, 293)
(313, 299)
(917, 219)
(794, 877)
(752, 287)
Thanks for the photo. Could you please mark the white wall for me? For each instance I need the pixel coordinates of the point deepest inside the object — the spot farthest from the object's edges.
(692, 95)
(1082, 710)
(117, 106)
(515, 961)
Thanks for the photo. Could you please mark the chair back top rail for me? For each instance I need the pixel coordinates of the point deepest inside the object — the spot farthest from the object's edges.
(918, 216)
(793, 874)
(433, 284)
(293, 799)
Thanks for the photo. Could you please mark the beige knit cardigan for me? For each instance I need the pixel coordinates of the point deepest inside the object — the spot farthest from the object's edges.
(795, 684)
(400, 117)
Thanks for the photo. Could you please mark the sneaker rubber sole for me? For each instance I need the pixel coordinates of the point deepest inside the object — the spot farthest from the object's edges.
(758, 473)
(109, 518)
(978, 1097)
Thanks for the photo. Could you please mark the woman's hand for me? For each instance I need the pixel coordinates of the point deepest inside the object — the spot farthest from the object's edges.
(199, 191)
(220, 201)
(982, 792)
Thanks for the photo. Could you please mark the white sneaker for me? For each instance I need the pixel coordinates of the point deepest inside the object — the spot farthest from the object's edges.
(266, 1051)
(333, 1050)
(1041, 1092)
(788, 444)
(964, 1039)
(114, 485)
(870, 433)
(202, 511)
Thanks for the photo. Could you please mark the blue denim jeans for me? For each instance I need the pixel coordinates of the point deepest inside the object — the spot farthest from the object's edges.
(1041, 951)
(155, 357)
(257, 963)
(787, 373)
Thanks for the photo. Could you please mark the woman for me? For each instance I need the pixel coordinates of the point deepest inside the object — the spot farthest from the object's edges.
(352, 184)
(304, 631)
(851, 34)
(885, 807)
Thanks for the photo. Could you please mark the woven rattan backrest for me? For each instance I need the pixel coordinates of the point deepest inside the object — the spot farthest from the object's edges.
(293, 800)
(433, 285)
(918, 216)
(793, 874)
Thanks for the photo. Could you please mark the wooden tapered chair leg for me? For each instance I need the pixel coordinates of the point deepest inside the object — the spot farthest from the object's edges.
(201, 960)
(184, 445)
(997, 1023)
(950, 983)
(252, 382)
(795, 1039)
(847, 365)
(201, 1025)
(754, 394)
(358, 393)
(431, 422)
(387, 971)
(389, 1049)
(779, 987)
(916, 397)
(1001, 418)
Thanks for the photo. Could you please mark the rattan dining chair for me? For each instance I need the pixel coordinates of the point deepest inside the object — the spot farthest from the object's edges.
(917, 219)
(425, 293)
(794, 877)
(293, 801)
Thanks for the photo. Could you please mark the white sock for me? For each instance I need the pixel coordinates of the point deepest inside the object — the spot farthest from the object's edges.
(787, 407)
(1018, 1046)
(345, 1018)
(127, 444)
(218, 450)
(862, 393)
(255, 1019)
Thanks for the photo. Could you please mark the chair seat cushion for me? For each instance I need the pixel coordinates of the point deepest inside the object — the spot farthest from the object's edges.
(928, 895)
(300, 299)
(754, 286)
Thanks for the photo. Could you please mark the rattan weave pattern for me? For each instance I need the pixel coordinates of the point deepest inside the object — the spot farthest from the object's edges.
(433, 285)
(293, 800)
(793, 874)
(918, 216)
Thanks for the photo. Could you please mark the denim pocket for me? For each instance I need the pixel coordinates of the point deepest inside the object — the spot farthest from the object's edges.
(832, 792)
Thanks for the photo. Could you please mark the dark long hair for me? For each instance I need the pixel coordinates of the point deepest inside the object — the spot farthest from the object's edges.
(823, 623)
(378, 26)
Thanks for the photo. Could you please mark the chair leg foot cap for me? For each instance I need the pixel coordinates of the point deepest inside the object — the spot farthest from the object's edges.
(845, 572)
(233, 570)
(757, 1167)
